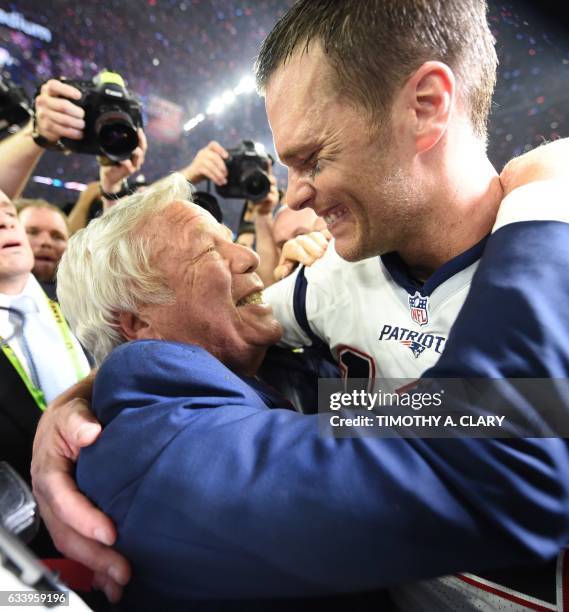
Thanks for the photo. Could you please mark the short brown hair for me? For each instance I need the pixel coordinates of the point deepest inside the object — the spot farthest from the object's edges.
(374, 46)
(23, 203)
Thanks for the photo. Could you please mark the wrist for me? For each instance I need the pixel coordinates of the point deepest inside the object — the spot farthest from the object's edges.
(26, 133)
(114, 191)
(190, 175)
(264, 218)
(43, 142)
(110, 186)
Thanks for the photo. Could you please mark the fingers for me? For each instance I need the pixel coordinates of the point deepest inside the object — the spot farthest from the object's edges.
(305, 249)
(54, 125)
(215, 147)
(316, 241)
(208, 164)
(542, 163)
(54, 131)
(101, 559)
(124, 168)
(64, 120)
(142, 141)
(112, 570)
(283, 270)
(266, 206)
(56, 116)
(138, 155)
(65, 509)
(111, 176)
(211, 166)
(214, 156)
(129, 167)
(273, 194)
(78, 529)
(78, 425)
(56, 88)
(60, 105)
(112, 590)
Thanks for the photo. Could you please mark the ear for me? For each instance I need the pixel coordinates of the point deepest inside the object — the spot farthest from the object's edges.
(133, 326)
(429, 97)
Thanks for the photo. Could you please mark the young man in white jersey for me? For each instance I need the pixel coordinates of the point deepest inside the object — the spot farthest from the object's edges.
(389, 147)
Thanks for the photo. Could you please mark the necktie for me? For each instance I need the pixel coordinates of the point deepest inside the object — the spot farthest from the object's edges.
(26, 306)
(38, 347)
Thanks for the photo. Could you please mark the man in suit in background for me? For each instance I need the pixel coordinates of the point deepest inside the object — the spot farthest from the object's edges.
(39, 356)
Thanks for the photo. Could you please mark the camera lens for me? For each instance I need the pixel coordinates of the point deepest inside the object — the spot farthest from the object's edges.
(116, 135)
(255, 185)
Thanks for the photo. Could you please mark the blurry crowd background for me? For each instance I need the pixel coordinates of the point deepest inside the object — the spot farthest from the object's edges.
(178, 55)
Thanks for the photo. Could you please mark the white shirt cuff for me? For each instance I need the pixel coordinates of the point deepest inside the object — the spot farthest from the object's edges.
(537, 201)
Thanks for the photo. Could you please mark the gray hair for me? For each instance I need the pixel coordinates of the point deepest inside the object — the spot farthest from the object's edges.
(107, 270)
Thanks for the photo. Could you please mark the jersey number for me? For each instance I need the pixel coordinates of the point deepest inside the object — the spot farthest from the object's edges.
(355, 364)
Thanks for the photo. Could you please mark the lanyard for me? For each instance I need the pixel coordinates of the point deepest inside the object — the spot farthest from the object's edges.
(37, 394)
(67, 339)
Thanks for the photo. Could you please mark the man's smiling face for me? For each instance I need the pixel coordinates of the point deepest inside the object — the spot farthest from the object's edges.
(218, 303)
(351, 173)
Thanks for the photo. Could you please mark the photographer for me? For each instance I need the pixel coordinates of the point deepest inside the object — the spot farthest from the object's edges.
(57, 116)
(210, 164)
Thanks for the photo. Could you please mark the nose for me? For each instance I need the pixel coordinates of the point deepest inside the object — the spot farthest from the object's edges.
(45, 240)
(243, 260)
(300, 193)
(7, 221)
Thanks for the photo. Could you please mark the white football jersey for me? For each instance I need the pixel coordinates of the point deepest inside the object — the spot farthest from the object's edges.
(377, 322)
(380, 324)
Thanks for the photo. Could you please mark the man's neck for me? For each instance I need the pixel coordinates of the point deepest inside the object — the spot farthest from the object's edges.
(13, 285)
(461, 213)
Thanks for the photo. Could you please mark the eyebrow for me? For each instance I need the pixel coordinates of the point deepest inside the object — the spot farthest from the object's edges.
(298, 152)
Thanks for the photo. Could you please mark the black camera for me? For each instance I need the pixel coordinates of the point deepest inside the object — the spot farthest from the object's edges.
(112, 116)
(247, 176)
(15, 108)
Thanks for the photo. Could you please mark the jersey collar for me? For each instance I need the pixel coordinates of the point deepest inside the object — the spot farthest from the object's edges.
(400, 273)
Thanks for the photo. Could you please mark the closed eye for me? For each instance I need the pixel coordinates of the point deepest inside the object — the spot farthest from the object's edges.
(208, 251)
(316, 168)
(212, 250)
(312, 164)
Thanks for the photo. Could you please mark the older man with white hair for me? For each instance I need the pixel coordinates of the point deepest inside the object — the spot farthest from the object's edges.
(216, 497)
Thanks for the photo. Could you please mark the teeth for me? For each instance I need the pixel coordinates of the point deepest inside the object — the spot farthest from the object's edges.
(335, 216)
(253, 298)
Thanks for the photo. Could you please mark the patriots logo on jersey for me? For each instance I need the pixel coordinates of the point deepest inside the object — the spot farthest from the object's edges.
(415, 347)
(419, 305)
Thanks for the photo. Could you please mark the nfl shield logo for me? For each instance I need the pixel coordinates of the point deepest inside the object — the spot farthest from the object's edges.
(419, 306)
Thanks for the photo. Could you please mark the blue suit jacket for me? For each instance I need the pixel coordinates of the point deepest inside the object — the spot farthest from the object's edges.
(215, 496)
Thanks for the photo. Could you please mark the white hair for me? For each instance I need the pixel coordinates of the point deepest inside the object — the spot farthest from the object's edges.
(106, 268)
